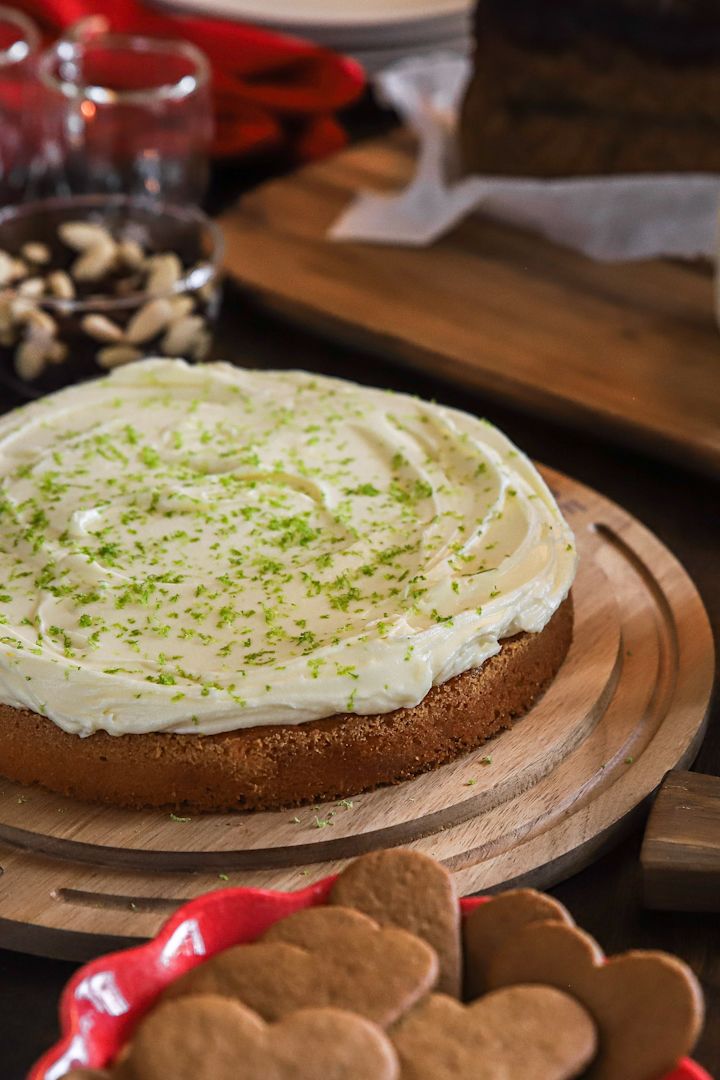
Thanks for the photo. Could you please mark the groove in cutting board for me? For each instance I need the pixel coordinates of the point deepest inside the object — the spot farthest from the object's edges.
(628, 705)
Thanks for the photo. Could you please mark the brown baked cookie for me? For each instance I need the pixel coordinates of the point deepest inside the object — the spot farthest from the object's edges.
(408, 889)
(213, 1037)
(648, 1006)
(379, 971)
(522, 1032)
(327, 956)
(491, 924)
(87, 1074)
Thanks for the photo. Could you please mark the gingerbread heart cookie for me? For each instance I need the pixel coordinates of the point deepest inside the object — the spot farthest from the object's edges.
(87, 1074)
(498, 920)
(410, 890)
(521, 1033)
(324, 956)
(648, 1006)
(213, 1037)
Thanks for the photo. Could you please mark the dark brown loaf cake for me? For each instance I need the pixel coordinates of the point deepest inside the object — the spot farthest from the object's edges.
(591, 87)
(265, 768)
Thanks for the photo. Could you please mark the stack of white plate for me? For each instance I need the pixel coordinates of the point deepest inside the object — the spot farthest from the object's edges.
(375, 32)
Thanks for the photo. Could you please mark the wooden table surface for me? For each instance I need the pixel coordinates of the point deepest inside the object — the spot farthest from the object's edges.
(679, 505)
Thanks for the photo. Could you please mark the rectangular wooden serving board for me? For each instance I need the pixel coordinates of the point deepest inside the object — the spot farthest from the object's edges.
(680, 855)
(631, 350)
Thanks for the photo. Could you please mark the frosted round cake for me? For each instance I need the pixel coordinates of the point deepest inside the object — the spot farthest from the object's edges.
(230, 588)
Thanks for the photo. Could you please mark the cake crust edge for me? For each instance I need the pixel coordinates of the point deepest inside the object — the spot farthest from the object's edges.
(268, 768)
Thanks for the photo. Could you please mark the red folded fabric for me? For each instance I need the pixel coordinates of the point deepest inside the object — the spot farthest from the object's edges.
(269, 91)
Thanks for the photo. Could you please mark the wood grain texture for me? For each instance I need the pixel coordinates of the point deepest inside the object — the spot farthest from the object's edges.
(632, 349)
(680, 855)
(628, 705)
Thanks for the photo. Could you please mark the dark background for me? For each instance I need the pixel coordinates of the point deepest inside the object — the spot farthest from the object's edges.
(680, 506)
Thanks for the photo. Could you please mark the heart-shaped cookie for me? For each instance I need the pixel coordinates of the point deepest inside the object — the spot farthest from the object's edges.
(408, 889)
(212, 1037)
(324, 956)
(648, 1006)
(491, 924)
(521, 1033)
(87, 1074)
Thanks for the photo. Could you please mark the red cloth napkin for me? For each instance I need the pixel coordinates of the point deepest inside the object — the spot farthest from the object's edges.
(269, 91)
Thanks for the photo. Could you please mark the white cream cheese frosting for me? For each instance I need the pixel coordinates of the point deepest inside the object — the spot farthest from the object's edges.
(203, 549)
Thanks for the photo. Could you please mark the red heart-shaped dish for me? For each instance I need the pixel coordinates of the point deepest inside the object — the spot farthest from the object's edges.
(103, 1001)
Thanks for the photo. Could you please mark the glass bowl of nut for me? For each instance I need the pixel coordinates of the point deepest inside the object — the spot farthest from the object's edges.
(88, 283)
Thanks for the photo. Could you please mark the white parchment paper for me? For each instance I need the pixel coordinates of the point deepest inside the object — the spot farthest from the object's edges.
(614, 218)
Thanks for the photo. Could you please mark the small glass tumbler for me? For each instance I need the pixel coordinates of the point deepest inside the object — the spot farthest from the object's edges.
(126, 115)
(92, 282)
(19, 114)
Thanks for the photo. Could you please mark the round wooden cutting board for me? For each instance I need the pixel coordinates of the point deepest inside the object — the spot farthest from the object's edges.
(533, 805)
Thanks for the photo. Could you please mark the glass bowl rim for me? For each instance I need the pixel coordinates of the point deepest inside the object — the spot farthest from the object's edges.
(179, 90)
(192, 279)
